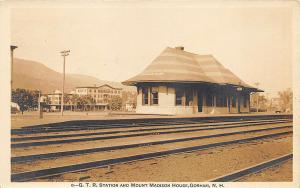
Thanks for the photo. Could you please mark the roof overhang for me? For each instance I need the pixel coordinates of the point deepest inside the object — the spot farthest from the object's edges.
(243, 87)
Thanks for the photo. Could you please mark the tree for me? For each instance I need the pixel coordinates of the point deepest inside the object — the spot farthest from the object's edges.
(83, 101)
(19, 96)
(33, 98)
(259, 102)
(129, 97)
(74, 100)
(47, 102)
(26, 99)
(115, 103)
(286, 100)
(67, 99)
(254, 99)
(263, 103)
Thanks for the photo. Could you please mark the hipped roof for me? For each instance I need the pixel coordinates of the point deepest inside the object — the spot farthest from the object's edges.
(178, 66)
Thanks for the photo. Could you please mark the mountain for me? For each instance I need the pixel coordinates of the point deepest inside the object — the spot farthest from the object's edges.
(34, 75)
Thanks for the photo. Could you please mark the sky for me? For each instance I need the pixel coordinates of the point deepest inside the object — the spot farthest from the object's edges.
(114, 41)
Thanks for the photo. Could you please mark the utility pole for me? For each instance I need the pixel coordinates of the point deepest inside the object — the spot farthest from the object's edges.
(39, 100)
(12, 48)
(40, 107)
(64, 54)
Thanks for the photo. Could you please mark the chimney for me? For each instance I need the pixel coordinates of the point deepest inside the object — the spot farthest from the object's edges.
(179, 48)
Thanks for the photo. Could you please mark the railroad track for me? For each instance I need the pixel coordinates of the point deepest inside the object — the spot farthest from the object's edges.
(235, 176)
(112, 148)
(49, 172)
(106, 124)
(43, 137)
(51, 142)
(75, 127)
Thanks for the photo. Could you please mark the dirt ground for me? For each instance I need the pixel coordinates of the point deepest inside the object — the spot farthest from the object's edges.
(194, 166)
(282, 172)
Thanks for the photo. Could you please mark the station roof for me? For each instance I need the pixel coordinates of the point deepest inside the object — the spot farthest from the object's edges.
(174, 65)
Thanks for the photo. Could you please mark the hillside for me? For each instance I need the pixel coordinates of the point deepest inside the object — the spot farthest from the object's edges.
(34, 75)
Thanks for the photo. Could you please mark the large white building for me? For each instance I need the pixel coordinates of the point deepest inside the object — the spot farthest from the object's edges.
(102, 95)
(55, 101)
(180, 82)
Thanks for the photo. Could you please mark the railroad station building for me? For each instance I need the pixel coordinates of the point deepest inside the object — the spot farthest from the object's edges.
(180, 82)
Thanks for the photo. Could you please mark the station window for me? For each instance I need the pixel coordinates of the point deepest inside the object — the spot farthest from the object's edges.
(209, 99)
(246, 98)
(188, 97)
(154, 95)
(234, 101)
(145, 96)
(179, 95)
(221, 100)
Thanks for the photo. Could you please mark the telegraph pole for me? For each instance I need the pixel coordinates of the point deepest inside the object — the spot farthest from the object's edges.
(40, 107)
(39, 101)
(64, 54)
(12, 48)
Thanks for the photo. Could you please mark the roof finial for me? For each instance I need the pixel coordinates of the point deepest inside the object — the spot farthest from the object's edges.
(179, 48)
